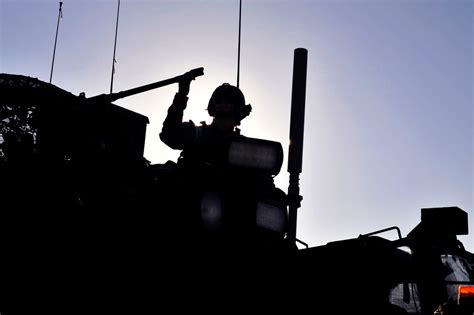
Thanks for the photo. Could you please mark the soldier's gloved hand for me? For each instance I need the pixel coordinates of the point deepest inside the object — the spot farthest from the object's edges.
(184, 85)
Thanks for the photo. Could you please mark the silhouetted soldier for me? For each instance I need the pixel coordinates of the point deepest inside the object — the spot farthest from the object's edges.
(216, 203)
(200, 144)
(202, 176)
(213, 196)
(201, 166)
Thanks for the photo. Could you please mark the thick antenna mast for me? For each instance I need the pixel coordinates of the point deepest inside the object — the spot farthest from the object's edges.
(115, 47)
(238, 48)
(60, 15)
(295, 152)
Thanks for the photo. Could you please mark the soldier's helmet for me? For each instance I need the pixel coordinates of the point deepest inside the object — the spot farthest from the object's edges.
(228, 100)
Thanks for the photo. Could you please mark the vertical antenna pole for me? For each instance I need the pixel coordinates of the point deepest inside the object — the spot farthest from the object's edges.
(115, 47)
(238, 49)
(60, 15)
(295, 152)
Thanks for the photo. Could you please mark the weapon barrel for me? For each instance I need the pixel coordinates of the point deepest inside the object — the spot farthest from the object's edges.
(190, 75)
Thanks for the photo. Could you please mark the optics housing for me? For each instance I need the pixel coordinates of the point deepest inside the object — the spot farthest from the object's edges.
(257, 154)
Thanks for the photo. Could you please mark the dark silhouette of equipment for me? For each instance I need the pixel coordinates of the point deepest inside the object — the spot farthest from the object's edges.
(295, 152)
(88, 223)
(60, 15)
(115, 48)
(190, 75)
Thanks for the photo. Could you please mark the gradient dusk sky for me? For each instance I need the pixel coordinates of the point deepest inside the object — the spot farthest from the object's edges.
(389, 103)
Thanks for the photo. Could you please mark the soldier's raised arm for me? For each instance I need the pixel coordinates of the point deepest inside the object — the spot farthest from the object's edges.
(176, 133)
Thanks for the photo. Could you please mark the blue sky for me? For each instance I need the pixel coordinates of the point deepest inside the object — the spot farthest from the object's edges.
(389, 104)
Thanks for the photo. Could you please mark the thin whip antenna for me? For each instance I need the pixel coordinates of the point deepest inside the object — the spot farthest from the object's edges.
(115, 47)
(238, 49)
(60, 15)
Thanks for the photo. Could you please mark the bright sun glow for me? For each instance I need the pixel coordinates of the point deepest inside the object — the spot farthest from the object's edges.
(197, 104)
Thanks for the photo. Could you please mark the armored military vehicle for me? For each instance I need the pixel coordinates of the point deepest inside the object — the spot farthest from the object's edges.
(89, 225)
